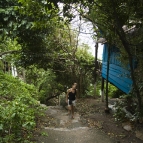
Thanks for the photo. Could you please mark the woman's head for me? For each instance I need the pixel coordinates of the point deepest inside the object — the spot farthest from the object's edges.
(74, 85)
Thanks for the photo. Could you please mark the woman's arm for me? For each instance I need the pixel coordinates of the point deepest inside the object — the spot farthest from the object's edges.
(67, 96)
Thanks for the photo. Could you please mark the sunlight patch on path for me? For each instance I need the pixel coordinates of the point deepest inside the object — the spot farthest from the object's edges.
(65, 129)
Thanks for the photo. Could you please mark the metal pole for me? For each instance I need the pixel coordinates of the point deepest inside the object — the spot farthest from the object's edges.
(107, 77)
(95, 78)
(102, 89)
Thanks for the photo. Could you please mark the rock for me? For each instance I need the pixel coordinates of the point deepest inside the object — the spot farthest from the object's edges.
(126, 126)
(112, 107)
(139, 135)
(43, 105)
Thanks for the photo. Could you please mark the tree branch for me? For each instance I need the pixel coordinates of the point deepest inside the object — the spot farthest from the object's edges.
(9, 52)
(52, 97)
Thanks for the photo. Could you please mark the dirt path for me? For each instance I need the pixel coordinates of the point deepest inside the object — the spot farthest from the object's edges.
(58, 127)
(91, 124)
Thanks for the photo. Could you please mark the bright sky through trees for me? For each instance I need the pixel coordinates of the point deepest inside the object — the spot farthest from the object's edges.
(86, 33)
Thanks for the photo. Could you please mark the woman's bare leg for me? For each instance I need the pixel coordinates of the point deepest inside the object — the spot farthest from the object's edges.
(72, 109)
(69, 110)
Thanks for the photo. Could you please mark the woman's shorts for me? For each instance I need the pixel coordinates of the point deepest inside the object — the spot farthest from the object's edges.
(71, 102)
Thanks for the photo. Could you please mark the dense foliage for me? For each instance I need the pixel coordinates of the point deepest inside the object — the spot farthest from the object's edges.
(39, 42)
(18, 107)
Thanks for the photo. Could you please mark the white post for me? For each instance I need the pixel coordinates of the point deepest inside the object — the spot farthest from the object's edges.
(59, 100)
(102, 95)
(13, 70)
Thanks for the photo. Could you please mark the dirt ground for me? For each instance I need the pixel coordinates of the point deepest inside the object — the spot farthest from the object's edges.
(91, 124)
(93, 111)
(58, 127)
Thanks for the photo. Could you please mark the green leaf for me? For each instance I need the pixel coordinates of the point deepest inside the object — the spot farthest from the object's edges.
(13, 115)
(1, 127)
(6, 18)
(44, 134)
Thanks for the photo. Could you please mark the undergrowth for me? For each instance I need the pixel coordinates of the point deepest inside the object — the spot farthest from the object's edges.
(18, 109)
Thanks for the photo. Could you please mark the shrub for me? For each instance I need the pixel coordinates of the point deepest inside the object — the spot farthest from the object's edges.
(126, 109)
(18, 107)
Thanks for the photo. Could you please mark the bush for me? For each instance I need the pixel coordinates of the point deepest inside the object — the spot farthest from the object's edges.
(90, 91)
(119, 114)
(18, 107)
(113, 91)
(126, 109)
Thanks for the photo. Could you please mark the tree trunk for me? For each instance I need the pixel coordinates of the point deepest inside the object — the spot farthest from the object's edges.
(130, 59)
(48, 98)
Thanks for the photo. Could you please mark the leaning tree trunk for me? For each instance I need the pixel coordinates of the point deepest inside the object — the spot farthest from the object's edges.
(130, 59)
(122, 37)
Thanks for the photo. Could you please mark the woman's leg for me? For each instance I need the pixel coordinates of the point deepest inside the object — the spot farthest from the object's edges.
(73, 107)
(69, 108)
(72, 110)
